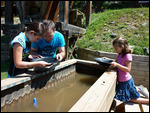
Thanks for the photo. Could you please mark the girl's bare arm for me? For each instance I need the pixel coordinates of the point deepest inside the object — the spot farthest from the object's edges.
(126, 68)
(17, 51)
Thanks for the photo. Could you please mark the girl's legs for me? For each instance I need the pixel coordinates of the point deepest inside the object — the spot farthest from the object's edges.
(140, 100)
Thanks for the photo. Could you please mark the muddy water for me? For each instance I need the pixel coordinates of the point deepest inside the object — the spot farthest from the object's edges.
(57, 97)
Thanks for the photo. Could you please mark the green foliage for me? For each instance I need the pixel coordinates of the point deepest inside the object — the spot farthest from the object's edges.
(4, 70)
(131, 23)
(79, 5)
(5, 38)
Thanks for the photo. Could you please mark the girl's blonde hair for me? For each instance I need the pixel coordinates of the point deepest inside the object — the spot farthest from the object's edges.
(122, 42)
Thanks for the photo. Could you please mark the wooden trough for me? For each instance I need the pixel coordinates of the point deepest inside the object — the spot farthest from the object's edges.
(139, 71)
(98, 97)
(140, 64)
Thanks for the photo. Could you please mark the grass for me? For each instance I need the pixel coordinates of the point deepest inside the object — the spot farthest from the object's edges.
(5, 66)
(131, 23)
(4, 69)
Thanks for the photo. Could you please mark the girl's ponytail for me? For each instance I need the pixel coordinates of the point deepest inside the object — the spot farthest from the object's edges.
(38, 27)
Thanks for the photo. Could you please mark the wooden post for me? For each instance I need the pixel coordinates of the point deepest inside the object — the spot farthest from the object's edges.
(71, 4)
(56, 18)
(48, 9)
(88, 12)
(63, 17)
(8, 12)
(66, 11)
(73, 48)
(63, 11)
(67, 45)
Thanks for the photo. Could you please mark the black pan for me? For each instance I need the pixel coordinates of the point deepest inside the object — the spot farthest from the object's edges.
(53, 61)
(102, 61)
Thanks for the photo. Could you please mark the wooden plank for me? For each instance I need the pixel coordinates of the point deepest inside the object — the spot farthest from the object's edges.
(91, 63)
(132, 107)
(72, 29)
(99, 97)
(62, 11)
(56, 17)
(71, 4)
(49, 9)
(139, 68)
(145, 107)
(9, 12)
(136, 107)
(66, 11)
(139, 63)
(66, 47)
(140, 58)
(22, 78)
(143, 81)
(120, 106)
(113, 106)
(141, 75)
(43, 8)
(4, 47)
(88, 12)
(55, 6)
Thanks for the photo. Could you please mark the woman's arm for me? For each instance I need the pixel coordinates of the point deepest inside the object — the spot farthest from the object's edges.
(126, 68)
(17, 52)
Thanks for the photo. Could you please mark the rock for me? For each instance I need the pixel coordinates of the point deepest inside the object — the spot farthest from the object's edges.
(146, 50)
(133, 27)
(144, 24)
(131, 47)
(113, 35)
(112, 22)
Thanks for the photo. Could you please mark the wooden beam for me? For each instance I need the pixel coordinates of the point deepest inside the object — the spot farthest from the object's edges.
(99, 96)
(53, 12)
(56, 14)
(88, 12)
(74, 47)
(63, 11)
(71, 4)
(66, 46)
(49, 9)
(8, 12)
(72, 29)
(132, 107)
(67, 11)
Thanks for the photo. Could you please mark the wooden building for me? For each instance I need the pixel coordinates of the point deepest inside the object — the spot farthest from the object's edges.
(58, 11)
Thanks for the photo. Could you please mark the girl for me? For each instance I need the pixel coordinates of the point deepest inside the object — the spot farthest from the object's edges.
(126, 89)
(20, 47)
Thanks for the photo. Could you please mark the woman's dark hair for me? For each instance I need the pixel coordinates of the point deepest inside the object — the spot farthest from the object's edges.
(122, 42)
(49, 24)
(37, 27)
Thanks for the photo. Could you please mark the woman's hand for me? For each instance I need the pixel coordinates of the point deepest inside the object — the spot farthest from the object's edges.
(114, 64)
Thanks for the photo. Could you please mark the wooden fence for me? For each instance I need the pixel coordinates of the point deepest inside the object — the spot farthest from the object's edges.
(140, 64)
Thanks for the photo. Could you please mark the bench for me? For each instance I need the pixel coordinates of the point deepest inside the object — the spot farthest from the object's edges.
(118, 106)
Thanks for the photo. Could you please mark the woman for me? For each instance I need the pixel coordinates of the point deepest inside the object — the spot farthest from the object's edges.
(20, 48)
